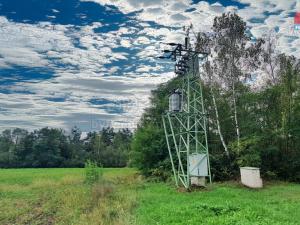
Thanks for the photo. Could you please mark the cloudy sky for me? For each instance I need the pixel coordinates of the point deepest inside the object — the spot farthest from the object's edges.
(91, 63)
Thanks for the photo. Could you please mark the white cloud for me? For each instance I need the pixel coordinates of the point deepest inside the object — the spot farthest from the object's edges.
(45, 44)
(125, 43)
(264, 17)
(271, 6)
(84, 53)
(142, 40)
(76, 109)
(85, 56)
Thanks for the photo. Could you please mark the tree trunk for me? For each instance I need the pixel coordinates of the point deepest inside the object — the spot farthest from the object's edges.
(235, 114)
(218, 121)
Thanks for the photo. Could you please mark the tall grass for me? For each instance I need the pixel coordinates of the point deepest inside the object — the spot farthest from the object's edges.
(64, 197)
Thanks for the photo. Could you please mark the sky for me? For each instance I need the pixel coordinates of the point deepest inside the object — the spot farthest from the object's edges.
(93, 63)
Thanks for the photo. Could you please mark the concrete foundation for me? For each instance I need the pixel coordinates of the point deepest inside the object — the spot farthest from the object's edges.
(198, 181)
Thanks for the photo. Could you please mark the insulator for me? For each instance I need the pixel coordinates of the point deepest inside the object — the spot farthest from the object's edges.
(186, 42)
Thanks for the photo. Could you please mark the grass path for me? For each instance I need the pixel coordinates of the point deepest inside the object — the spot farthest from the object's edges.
(59, 196)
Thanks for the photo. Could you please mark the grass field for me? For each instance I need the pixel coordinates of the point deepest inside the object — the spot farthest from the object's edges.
(60, 196)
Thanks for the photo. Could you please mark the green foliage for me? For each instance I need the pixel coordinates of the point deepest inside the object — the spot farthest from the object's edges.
(50, 147)
(108, 147)
(92, 172)
(222, 167)
(148, 148)
(270, 132)
(268, 117)
(247, 152)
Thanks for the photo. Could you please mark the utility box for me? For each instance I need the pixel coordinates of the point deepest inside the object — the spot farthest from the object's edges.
(250, 177)
(198, 168)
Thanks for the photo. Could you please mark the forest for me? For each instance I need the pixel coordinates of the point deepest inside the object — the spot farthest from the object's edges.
(50, 147)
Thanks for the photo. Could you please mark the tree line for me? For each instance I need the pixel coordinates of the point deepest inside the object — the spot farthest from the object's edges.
(252, 98)
(50, 147)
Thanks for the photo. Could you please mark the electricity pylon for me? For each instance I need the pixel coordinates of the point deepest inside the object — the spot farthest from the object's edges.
(185, 123)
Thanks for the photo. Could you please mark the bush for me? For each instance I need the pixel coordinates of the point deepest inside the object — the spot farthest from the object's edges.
(271, 159)
(270, 175)
(247, 152)
(149, 149)
(222, 167)
(92, 172)
(162, 172)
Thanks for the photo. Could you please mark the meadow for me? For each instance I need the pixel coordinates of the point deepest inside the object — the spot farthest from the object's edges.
(60, 196)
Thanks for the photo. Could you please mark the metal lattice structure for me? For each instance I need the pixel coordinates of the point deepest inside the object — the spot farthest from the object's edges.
(185, 129)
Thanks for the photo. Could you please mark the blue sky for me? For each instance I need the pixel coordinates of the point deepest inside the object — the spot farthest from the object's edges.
(91, 63)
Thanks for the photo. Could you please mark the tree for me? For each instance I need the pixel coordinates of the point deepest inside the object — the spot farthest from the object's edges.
(75, 155)
(289, 70)
(121, 146)
(148, 148)
(6, 150)
(149, 151)
(204, 44)
(233, 56)
(47, 148)
(18, 136)
(109, 148)
(270, 59)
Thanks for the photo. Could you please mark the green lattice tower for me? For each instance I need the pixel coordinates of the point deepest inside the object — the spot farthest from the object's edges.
(185, 130)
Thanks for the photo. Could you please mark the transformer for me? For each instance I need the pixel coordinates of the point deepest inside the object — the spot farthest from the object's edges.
(175, 101)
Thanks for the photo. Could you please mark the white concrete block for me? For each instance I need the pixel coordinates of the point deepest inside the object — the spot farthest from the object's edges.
(198, 181)
(250, 177)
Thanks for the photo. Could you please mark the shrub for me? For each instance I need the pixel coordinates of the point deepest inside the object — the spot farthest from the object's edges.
(92, 172)
(222, 167)
(149, 149)
(247, 152)
(270, 175)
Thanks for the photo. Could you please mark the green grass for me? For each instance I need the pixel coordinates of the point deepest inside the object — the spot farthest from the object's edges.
(60, 196)
(221, 204)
